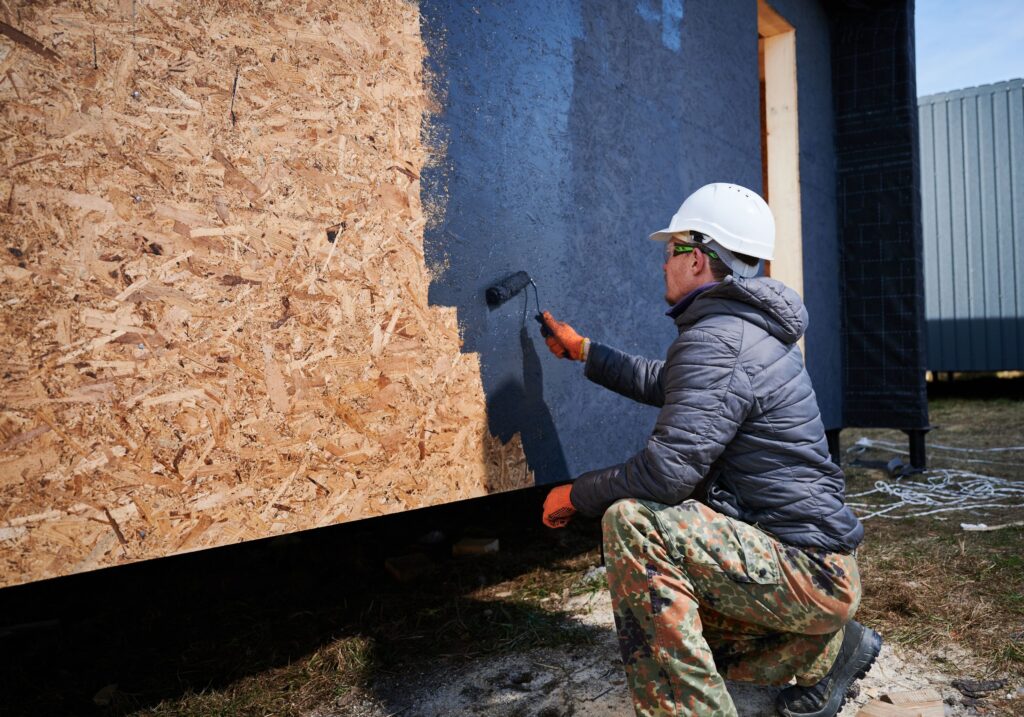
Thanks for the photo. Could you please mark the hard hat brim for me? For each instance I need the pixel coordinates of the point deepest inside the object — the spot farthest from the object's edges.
(665, 234)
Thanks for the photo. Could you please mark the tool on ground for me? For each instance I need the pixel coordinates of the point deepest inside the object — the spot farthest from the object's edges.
(558, 509)
(940, 490)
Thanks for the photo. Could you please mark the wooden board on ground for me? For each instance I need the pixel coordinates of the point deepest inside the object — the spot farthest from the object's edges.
(916, 703)
(213, 294)
(914, 698)
(475, 546)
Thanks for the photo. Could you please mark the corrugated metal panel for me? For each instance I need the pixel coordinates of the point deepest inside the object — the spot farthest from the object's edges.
(972, 191)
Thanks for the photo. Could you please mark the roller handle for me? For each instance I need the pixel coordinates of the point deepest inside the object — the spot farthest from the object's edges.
(545, 331)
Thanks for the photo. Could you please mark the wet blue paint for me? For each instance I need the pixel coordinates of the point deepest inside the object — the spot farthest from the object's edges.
(571, 130)
(505, 74)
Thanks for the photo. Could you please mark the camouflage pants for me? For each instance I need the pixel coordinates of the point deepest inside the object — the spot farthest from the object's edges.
(699, 597)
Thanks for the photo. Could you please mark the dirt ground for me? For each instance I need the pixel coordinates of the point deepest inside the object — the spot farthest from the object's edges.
(315, 625)
(951, 615)
(558, 682)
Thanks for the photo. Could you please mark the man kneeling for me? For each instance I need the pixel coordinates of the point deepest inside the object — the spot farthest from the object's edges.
(729, 545)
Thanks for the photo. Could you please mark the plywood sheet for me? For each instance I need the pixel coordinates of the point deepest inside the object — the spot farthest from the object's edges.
(212, 286)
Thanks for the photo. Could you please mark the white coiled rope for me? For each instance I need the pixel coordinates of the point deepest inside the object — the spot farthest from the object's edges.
(869, 442)
(939, 490)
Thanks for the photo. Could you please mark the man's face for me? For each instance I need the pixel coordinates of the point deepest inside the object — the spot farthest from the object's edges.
(682, 270)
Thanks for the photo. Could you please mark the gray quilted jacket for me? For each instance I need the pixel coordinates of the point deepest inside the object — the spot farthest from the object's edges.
(737, 409)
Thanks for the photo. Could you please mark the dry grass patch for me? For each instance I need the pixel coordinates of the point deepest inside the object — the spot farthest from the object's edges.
(328, 675)
(929, 585)
(926, 588)
(463, 609)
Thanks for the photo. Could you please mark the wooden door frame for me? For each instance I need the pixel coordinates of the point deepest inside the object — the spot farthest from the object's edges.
(781, 143)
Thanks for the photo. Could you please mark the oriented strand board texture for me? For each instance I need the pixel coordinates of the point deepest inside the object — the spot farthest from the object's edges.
(188, 361)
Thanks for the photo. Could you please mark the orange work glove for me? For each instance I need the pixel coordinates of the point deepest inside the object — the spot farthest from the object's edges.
(558, 509)
(562, 339)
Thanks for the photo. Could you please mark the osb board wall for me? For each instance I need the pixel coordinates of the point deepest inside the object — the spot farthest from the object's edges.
(188, 359)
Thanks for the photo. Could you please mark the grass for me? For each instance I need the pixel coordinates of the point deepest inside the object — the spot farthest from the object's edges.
(926, 587)
(463, 609)
(328, 675)
(929, 585)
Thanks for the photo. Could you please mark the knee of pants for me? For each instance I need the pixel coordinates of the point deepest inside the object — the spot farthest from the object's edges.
(850, 610)
(838, 622)
(838, 618)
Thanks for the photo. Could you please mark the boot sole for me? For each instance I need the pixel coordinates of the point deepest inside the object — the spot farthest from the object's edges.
(871, 644)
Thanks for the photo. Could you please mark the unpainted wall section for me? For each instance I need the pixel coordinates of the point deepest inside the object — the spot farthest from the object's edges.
(213, 297)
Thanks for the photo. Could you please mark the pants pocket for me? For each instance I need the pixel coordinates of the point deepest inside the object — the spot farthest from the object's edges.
(759, 562)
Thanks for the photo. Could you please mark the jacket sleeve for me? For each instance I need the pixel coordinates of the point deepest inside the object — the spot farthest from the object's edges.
(707, 396)
(634, 377)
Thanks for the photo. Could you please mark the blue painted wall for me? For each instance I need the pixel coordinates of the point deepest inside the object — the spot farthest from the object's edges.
(822, 289)
(568, 131)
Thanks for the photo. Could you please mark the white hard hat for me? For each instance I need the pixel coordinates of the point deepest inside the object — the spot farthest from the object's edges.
(734, 219)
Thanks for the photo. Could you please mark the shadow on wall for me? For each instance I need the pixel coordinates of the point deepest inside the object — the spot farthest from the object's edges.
(539, 435)
(494, 200)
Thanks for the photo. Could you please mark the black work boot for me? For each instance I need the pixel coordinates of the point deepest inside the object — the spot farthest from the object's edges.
(860, 647)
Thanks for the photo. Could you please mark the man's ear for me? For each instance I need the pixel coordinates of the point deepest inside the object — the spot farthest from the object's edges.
(700, 259)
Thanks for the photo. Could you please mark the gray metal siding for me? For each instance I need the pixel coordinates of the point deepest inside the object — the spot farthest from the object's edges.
(972, 193)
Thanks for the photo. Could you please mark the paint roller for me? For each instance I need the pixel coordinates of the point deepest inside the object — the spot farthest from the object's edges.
(498, 294)
(508, 287)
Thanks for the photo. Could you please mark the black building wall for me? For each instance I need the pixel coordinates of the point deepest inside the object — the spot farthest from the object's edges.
(880, 215)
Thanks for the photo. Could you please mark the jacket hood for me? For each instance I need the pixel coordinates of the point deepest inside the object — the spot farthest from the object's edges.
(764, 302)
